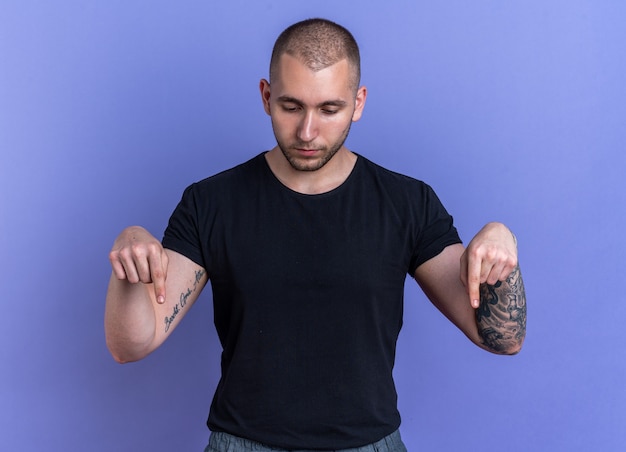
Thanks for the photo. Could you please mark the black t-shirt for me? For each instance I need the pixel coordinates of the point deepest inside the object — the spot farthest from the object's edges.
(308, 297)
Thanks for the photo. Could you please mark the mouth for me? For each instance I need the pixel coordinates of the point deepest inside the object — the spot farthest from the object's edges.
(307, 152)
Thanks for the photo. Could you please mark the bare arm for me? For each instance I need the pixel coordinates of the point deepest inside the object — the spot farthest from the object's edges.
(480, 289)
(501, 316)
(150, 291)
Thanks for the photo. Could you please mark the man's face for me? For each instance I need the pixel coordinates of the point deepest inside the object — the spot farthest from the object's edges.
(311, 111)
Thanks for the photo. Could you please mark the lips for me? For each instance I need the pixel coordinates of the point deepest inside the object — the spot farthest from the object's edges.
(307, 152)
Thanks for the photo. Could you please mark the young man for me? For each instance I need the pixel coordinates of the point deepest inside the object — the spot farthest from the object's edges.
(307, 247)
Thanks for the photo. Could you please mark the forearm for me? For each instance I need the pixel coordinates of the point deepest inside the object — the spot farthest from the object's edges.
(501, 316)
(130, 325)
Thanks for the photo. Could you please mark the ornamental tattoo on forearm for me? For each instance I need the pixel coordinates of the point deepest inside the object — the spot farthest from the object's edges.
(501, 316)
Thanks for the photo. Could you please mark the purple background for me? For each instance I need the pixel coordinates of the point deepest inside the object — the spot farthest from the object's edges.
(512, 111)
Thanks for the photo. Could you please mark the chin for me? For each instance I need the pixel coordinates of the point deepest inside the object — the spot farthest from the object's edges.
(308, 164)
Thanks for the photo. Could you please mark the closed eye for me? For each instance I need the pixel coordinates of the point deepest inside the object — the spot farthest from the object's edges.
(290, 108)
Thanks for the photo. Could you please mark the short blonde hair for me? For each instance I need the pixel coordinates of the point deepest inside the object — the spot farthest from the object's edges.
(318, 43)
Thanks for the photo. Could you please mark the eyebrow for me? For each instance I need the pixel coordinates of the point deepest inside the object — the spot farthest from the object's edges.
(326, 103)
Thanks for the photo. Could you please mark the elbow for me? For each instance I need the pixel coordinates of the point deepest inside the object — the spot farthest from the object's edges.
(499, 343)
(516, 348)
(512, 351)
(127, 348)
(507, 348)
(122, 359)
(125, 357)
(119, 356)
(123, 354)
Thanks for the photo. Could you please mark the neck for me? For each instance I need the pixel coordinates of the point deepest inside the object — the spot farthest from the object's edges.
(327, 178)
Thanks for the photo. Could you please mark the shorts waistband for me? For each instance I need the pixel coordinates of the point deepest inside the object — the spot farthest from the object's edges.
(225, 442)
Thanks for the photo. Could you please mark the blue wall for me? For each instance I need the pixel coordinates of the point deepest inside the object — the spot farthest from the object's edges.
(512, 111)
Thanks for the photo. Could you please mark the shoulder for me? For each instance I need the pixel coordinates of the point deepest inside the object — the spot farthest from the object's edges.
(232, 182)
(393, 182)
(224, 188)
(243, 172)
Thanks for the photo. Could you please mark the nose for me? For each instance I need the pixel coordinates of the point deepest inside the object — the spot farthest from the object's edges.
(308, 128)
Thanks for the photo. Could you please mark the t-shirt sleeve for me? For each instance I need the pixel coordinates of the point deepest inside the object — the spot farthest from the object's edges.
(436, 232)
(182, 232)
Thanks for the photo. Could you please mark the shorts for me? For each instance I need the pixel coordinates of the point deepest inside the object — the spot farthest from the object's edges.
(225, 442)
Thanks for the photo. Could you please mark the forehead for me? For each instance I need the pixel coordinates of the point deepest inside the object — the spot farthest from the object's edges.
(294, 78)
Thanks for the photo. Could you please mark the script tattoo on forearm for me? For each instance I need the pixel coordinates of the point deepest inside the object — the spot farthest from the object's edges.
(182, 301)
(501, 316)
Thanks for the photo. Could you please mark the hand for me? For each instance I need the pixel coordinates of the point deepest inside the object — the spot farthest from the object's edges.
(139, 257)
(490, 257)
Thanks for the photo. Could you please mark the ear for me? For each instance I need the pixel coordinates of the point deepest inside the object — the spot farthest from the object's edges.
(361, 96)
(264, 86)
